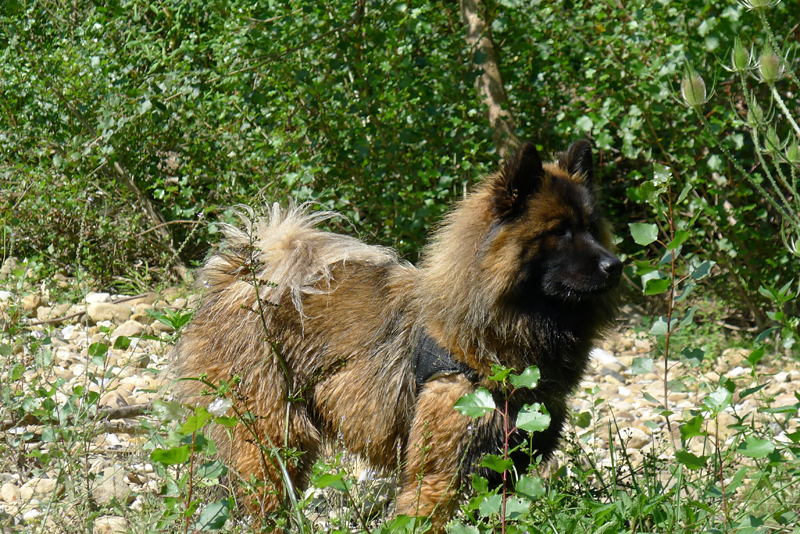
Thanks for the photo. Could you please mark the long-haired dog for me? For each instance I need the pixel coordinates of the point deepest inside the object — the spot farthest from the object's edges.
(330, 336)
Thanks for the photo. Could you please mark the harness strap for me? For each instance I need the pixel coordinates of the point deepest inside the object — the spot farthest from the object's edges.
(431, 361)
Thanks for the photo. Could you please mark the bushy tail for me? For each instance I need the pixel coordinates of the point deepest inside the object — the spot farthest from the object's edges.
(287, 252)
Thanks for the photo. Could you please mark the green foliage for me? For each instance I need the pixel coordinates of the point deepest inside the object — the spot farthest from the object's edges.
(367, 109)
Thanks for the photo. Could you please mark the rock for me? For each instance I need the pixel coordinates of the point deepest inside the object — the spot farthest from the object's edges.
(781, 377)
(30, 303)
(607, 360)
(31, 515)
(612, 376)
(41, 487)
(5, 295)
(113, 399)
(160, 327)
(641, 345)
(110, 524)
(635, 438)
(111, 486)
(103, 311)
(128, 329)
(9, 492)
(97, 298)
(9, 265)
(179, 303)
(146, 299)
(736, 372)
(44, 313)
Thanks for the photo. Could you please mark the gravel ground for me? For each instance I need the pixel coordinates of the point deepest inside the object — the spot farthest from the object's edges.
(128, 380)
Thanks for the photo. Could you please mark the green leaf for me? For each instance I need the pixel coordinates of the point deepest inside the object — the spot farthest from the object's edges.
(98, 353)
(16, 372)
(533, 418)
(196, 421)
(643, 234)
(583, 420)
(680, 237)
(756, 448)
(528, 379)
(330, 480)
(168, 410)
(214, 515)
(475, 404)
(122, 343)
(212, 470)
(689, 317)
(530, 487)
(642, 365)
(692, 428)
(173, 456)
(499, 373)
(516, 507)
(718, 401)
(656, 286)
(692, 356)
(496, 463)
(702, 270)
(490, 505)
(690, 460)
(457, 527)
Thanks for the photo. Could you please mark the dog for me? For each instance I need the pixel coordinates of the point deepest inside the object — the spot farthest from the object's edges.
(329, 337)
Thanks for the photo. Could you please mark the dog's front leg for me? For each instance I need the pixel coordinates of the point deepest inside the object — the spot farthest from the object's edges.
(431, 482)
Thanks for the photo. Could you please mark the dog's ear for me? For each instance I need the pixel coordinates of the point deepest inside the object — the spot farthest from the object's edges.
(520, 177)
(577, 161)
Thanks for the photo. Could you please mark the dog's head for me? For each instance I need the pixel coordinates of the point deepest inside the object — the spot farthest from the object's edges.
(548, 234)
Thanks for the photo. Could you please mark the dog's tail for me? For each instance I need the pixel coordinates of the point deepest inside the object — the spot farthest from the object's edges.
(284, 251)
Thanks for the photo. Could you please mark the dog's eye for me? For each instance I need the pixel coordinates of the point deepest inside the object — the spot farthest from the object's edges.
(562, 230)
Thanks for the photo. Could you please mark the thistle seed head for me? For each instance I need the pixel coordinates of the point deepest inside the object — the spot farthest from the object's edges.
(769, 66)
(693, 89)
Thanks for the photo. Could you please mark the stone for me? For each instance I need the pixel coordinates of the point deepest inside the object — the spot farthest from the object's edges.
(41, 487)
(103, 311)
(96, 298)
(111, 486)
(45, 313)
(145, 299)
(128, 329)
(8, 267)
(30, 303)
(31, 515)
(781, 377)
(113, 399)
(635, 438)
(9, 492)
(110, 524)
(5, 295)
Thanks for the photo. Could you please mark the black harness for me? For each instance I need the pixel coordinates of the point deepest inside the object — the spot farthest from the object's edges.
(431, 361)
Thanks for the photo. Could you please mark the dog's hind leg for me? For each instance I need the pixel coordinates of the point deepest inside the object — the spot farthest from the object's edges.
(431, 482)
(263, 451)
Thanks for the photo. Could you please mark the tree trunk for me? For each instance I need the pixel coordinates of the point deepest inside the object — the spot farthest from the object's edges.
(489, 83)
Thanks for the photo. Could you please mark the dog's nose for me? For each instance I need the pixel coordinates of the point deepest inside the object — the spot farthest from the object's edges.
(612, 267)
